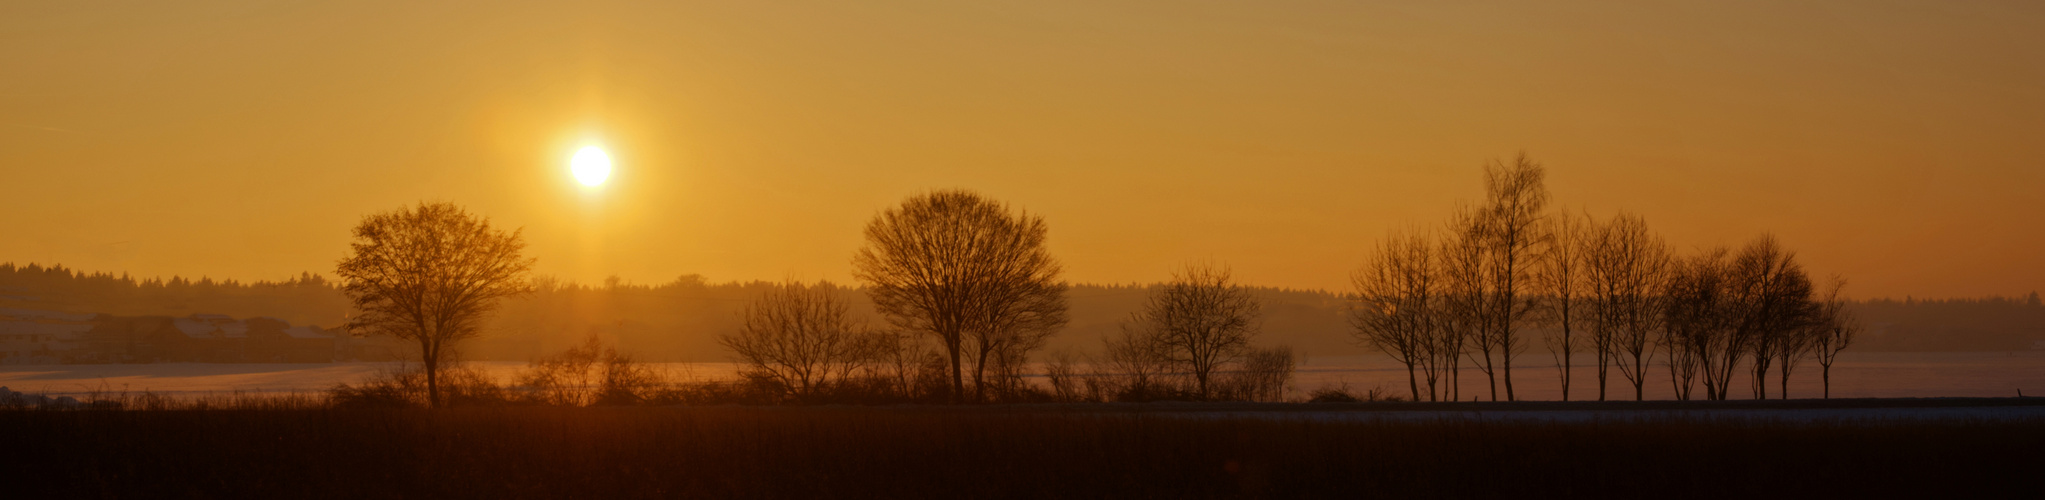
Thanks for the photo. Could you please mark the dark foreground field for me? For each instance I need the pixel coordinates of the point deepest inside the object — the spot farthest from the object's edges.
(1124, 451)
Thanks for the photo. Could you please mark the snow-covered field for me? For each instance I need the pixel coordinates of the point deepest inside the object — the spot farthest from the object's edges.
(1797, 415)
(224, 378)
(1858, 375)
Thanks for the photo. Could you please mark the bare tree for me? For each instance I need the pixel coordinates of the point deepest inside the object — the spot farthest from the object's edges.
(430, 274)
(1461, 320)
(1774, 295)
(801, 337)
(1263, 374)
(959, 267)
(1562, 287)
(1695, 317)
(1010, 329)
(1796, 345)
(1802, 337)
(1836, 328)
(1200, 320)
(1625, 266)
(1065, 379)
(1395, 307)
(1135, 367)
(1516, 201)
(901, 359)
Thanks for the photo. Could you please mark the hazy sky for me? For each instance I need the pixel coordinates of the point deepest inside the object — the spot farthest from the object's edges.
(1899, 143)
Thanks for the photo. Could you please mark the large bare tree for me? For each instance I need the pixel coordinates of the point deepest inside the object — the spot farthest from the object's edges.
(1696, 318)
(1625, 266)
(964, 269)
(1396, 307)
(1199, 321)
(1836, 328)
(1562, 288)
(1463, 325)
(1020, 322)
(803, 338)
(1774, 296)
(430, 274)
(1516, 201)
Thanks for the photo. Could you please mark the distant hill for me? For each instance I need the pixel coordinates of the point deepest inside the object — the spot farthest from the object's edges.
(680, 320)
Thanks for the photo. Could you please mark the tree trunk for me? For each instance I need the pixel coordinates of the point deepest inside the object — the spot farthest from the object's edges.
(1455, 388)
(429, 357)
(980, 376)
(1508, 375)
(1785, 381)
(1491, 375)
(1604, 373)
(958, 374)
(1761, 383)
(1827, 375)
(1565, 371)
(1414, 383)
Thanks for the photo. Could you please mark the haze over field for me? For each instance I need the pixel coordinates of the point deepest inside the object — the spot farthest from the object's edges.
(1894, 143)
(1860, 375)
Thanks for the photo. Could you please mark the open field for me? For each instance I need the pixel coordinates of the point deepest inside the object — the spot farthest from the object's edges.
(1858, 375)
(1119, 451)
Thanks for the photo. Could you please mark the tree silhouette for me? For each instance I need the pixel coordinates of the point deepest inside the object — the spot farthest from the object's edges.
(1626, 267)
(1511, 231)
(1396, 307)
(801, 337)
(1774, 295)
(1200, 320)
(1563, 287)
(1835, 329)
(963, 268)
(430, 274)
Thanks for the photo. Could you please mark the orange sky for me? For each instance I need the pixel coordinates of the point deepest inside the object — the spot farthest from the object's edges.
(1899, 143)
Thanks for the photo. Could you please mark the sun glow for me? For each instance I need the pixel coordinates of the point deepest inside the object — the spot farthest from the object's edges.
(591, 166)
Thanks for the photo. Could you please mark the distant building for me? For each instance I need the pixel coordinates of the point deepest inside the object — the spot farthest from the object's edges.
(40, 337)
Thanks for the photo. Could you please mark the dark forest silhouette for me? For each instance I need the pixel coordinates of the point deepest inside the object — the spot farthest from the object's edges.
(679, 320)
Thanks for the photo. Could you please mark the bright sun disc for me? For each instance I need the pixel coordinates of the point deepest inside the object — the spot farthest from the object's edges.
(591, 166)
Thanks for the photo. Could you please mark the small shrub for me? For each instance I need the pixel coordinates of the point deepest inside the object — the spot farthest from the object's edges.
(587, 375)
(1263, 374)
(1332, 395)
(1344, 395)
(406, 388)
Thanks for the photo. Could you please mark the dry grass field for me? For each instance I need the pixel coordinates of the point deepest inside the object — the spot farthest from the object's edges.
(1098, 451)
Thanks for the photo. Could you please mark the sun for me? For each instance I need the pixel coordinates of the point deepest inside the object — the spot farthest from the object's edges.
(591, 166)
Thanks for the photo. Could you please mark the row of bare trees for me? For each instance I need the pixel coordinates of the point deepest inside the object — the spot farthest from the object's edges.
(1475, 291)
(973, 276)
(1436, 299)
(1752, 310)
(950, 266)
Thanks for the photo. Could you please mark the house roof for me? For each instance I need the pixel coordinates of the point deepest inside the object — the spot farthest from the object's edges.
(202, 326)
(38, 328)
(307, 332)
(45, 315)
